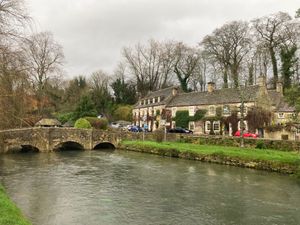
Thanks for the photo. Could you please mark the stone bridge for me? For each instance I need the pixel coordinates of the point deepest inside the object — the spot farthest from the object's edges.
(52, 139)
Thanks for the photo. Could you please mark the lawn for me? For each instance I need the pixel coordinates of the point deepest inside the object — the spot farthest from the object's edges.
(9, 213)
(251, 154)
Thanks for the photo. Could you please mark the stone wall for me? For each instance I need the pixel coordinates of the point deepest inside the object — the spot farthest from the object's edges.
(47, 139)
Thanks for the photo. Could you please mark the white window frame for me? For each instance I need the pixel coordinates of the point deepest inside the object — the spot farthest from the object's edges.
(192, 110)
(174, 110)
(210, 111)
(216, 123)
(207, 125)
(192, 123)
(228, 111)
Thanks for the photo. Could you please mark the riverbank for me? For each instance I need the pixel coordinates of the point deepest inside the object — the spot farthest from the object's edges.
(261, 159)
(9, 213)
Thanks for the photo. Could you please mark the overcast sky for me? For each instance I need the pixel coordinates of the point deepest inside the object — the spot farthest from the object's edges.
(93, 32)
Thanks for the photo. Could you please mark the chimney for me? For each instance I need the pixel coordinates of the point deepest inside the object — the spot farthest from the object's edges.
(211, 87)
(261, 81)
(174, 91)
(279, 87)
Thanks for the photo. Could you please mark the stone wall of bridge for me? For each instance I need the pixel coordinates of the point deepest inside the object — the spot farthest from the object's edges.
(49, 139)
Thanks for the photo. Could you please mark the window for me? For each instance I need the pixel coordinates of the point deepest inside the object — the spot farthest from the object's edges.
(281, 115)
(174, 109)
(216, 126)
(142, 103)
(191, 111)
(212, 110)
(191, 125)
(226, 110)
(207, 125)
(150, 101)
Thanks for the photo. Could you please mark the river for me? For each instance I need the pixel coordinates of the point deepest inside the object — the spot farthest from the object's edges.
(103, 188)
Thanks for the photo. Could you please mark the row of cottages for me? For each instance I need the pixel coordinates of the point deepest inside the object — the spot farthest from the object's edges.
(158, 109)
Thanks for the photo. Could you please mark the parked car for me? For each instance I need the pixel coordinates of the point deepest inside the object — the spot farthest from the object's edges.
(180, 130)
(135, 129)
(115, 125)
(246, 134)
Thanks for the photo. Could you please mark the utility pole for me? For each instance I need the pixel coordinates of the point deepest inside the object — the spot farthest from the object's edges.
(242, 119)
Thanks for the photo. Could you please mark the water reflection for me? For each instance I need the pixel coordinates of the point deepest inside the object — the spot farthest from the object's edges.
(95, 187)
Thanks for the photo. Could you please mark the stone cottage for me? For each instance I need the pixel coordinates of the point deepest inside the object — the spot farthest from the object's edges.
(158, 109)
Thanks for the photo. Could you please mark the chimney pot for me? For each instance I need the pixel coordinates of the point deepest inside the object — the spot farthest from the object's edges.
(211, 87)
(174, 91)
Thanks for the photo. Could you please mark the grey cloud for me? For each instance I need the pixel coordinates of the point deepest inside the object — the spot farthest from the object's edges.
(93, 32)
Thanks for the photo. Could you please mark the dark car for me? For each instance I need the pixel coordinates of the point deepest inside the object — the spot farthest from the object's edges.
(180, 130)
(135, 129)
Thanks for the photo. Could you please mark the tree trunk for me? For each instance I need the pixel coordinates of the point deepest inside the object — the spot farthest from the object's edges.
(225, 78)
(274, 66)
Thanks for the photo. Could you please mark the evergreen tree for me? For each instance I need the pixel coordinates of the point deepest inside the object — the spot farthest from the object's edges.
(288, 60)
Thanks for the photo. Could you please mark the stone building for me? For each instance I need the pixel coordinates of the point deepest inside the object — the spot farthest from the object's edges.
(158, 109)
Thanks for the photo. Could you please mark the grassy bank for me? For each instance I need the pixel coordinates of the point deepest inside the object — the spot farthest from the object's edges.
(9, 213)
(286, 162)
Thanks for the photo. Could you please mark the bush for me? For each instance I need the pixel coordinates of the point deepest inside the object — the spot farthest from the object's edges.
(123, 113)
(200, 114)
(64, 117)
(82, 123)
(97, 123)
(182, 119)
(260, 145)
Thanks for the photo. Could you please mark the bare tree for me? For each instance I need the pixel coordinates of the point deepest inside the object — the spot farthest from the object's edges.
(43, 57)
(185, 66)
(200, 76)
(151, 64)
(271, 32)
(228, 46)
(13, 20)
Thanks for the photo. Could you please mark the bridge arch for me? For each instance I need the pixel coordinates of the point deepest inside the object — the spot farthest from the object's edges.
(104, 145)
(23, 149)
(69, 146)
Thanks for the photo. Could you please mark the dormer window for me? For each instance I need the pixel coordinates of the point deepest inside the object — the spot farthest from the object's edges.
(212, 110)
(226, 110)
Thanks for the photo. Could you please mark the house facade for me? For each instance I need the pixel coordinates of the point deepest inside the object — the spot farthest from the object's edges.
(158, 109)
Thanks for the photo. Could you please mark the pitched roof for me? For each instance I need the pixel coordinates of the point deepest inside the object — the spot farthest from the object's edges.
(220, 96)
(164, 94)
(48, 122)
(279, 103)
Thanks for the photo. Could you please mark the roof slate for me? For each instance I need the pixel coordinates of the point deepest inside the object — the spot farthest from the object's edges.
(279, 103)
(165, 94)
(220, 96)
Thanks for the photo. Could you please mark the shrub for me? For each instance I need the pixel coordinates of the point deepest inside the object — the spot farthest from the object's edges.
(260, 145)
(64, 117)
(123, 113)
(98, 123)
(182, 119)
(82, 123)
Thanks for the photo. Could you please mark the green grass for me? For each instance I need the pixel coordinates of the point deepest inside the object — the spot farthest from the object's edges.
(9, 213)
(291, 158)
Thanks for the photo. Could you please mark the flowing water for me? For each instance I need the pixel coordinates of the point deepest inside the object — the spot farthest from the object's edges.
(96, 187)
